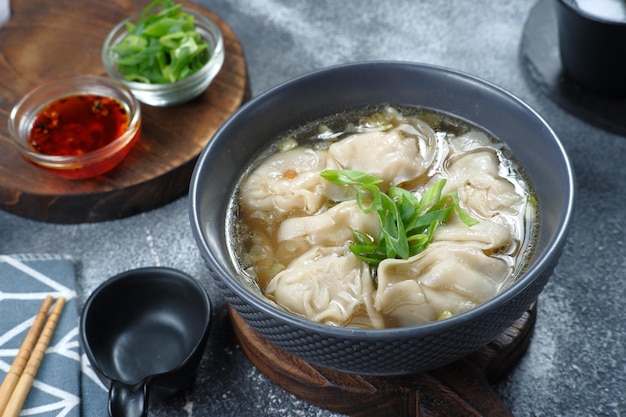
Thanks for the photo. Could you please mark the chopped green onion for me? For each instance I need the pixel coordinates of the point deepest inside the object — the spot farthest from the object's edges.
(162, 46)
(407, 223)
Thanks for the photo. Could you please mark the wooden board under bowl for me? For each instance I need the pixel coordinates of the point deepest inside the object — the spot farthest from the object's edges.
(461, 389)
(44, 40)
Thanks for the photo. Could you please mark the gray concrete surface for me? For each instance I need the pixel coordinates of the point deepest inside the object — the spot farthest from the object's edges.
(576, 364)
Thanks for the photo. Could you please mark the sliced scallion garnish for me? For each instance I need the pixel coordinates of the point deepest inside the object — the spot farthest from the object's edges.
(407, 223)
(162, 47)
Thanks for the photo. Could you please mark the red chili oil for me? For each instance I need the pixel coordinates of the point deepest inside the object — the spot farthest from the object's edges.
(78, 124)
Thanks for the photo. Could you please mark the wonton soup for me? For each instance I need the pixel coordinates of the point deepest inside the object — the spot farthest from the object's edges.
(383, 217)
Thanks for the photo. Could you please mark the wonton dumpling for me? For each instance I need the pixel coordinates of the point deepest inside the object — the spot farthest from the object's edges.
(447, 276)
(286, 182)
(393, 156)
(475, 176)
(333, 227)
(326, 284)
(470, 141)
(486, 235)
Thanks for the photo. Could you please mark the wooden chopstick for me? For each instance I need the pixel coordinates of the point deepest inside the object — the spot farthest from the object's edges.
(19, 363)
(25, 382)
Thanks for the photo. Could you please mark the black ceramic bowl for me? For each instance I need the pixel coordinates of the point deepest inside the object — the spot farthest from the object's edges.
(592, 46)
(144, 332)
(327, 91)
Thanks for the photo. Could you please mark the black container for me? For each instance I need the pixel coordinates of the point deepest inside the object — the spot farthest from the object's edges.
(592, 48)
(328, 91)
(144, 332)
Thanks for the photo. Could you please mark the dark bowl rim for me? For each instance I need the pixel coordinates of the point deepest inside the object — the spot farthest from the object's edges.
(538, 266)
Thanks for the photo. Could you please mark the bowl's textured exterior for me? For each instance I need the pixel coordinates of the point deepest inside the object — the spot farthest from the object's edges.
(327, 91)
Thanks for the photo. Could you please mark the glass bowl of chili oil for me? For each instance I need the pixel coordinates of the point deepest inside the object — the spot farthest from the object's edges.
(76, 127)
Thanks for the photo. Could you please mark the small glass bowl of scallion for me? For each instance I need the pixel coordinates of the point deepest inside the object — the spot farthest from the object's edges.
(165, 58)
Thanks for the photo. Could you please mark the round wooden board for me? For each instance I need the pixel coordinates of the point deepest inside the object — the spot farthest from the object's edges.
(461, 389)
(44, 40)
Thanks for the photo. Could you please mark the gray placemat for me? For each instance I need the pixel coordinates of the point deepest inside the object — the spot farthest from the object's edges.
(65, 384)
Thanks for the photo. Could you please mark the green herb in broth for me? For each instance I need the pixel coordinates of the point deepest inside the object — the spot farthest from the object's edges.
(407, 223)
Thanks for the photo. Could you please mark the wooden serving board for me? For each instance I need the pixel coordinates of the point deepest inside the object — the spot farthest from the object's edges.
(462, 389)
(46, 39)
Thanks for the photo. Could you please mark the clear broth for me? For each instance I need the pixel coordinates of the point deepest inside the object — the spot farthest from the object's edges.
(320, 134)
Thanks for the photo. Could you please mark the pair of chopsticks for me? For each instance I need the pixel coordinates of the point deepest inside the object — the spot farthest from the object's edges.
(19, 380)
